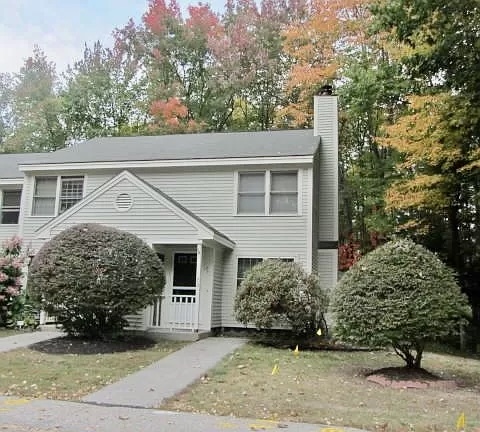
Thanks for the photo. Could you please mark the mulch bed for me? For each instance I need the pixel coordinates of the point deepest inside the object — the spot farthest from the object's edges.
(403, 377)
(69, 345)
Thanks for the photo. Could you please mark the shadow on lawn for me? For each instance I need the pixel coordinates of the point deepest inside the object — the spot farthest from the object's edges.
(69, 345)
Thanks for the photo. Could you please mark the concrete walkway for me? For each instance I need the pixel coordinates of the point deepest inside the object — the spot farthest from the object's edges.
(165, 378)
(23, 415)
(21, 340)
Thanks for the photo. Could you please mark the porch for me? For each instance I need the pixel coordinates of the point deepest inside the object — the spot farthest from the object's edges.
(184, 309)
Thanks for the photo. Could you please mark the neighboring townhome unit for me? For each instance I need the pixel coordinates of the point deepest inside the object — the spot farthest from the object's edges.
(211, 205)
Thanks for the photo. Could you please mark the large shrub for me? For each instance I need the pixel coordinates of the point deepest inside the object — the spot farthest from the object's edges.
(399, 295)
(12, 261)
(91, 276)
(275, 292)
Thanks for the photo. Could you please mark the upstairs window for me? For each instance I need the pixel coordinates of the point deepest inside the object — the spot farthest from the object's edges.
(251, 193)
(283, 192)
(10, 206)
(71, 192)
(267, 193)
(54, 195)
(44, 196)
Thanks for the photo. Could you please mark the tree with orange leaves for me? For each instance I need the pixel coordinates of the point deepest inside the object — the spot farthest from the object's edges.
(433, 195)
(317, 45)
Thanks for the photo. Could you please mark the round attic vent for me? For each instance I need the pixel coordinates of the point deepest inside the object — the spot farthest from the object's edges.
(123, 202)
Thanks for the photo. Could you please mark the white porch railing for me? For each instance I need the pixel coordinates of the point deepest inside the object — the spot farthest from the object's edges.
(45, 318)
(176, 312)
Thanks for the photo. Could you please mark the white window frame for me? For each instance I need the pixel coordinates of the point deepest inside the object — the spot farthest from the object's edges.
(60, 196)
(2, 191)
(58, 192)
(262, 258)
(268, 175)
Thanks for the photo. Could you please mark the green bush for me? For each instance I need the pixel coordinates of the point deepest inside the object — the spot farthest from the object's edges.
(91, 276)
(281, 292)
(399, 295)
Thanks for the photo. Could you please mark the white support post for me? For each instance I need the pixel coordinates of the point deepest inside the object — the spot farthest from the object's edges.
(197, 284)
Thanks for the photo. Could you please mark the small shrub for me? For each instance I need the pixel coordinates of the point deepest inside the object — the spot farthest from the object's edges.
(91, 276)
(12, 261)
(399, 295)
(274, 291)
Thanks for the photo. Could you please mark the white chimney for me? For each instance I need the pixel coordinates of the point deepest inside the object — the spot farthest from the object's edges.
(325, 126)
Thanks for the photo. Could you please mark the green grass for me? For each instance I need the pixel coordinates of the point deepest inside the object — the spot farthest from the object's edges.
(29, 373)
(329, 387)
(8, 332)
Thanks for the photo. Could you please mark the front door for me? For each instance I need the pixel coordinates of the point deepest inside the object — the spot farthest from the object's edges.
(183, 303)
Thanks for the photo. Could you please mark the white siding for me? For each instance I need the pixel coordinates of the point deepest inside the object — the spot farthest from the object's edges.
(7, 232)
(327, 268)
(326, 125)
(325, 194)
(147, 218)
(217, 288)
(29, 224)
(136, 321)
(315, 211)
(210, 194)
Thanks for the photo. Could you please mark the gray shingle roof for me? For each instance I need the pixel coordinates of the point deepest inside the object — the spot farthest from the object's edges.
(170, 147)
(9, 163)
(188, 146)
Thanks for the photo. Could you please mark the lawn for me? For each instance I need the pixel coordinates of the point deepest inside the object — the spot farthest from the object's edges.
(8, 332)
(69, 369)
(329, 387)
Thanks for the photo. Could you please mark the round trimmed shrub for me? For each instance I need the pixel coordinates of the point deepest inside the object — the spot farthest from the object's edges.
(399, 295)
(90, 276)
(275, 292)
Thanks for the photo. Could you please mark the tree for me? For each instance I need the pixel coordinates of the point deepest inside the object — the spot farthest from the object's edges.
(435, 172)
(91, 276)
(439, 52)
(104, 93)
(274, 292)
(317, 42)
(250, 60)
(399, 295)
(441, 40)
(5, 107)
(371, 96)
(177, 61)
(36, 108)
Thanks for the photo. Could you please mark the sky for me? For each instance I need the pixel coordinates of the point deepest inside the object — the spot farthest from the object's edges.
(62, 27)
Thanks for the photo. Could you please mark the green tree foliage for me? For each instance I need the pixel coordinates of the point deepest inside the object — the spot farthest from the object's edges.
(104, 93)
(91, 276)
(399, 295)
(5, 107)
(370, 97)
(36, 124)
(437, 43)
(274, 291)
(442, 37)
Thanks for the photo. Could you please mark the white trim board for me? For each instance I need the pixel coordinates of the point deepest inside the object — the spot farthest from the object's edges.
(287, 160)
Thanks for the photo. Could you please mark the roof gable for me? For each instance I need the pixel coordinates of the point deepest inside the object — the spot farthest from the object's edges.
(203, 229)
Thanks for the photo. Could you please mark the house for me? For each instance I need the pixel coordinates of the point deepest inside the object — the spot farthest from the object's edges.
(211, 205)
